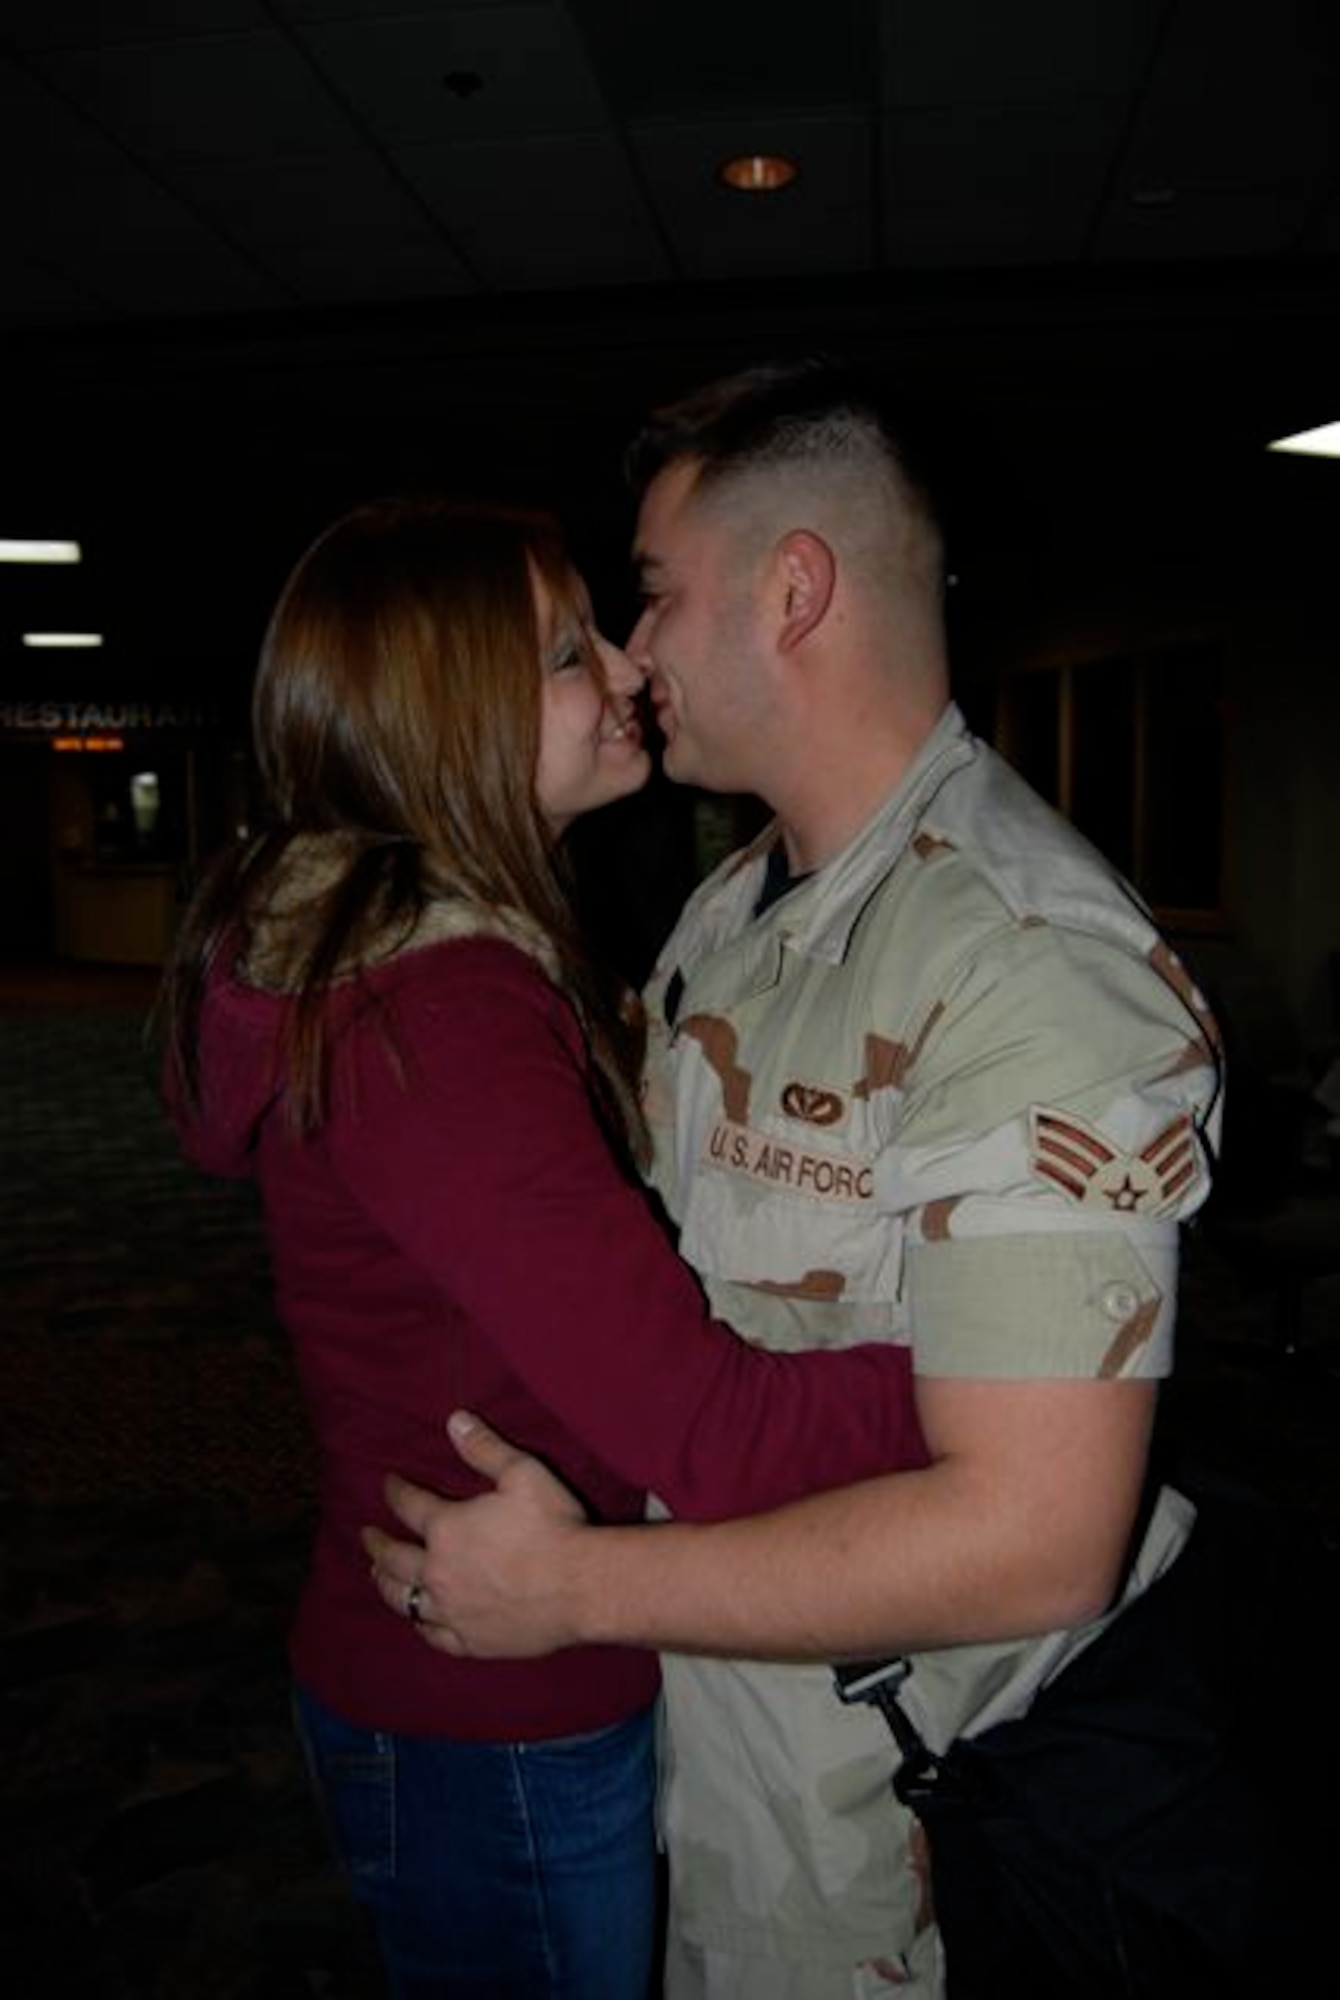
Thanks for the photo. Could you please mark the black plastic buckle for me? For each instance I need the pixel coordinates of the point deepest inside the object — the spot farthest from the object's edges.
(877, 1682)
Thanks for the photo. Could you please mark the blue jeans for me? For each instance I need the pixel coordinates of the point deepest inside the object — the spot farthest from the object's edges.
(496, 1871)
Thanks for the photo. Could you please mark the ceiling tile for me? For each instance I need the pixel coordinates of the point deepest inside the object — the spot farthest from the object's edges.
(1043, 154)
(94, 24)
(987, 234)
(1214, 140)
(1203, 222)
(1235, 138)
(1289, 45)
(708, 57)
(334, 226)
(976, 51)
(38, 129)
(389, 10)
(533, 75)
(556, 211)
(992, 186)
(117, 234)
(214, 98)
(1236, 123)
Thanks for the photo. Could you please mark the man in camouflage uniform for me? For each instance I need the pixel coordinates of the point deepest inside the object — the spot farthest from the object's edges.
(921, 1070)
(944, 1095)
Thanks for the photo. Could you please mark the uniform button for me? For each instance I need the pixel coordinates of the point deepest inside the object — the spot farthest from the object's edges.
(1119, 1301)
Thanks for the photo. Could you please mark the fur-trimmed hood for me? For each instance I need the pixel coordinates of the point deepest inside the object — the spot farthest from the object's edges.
(246, 1003)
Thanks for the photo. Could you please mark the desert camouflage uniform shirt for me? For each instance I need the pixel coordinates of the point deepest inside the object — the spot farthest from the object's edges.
(953, 1090)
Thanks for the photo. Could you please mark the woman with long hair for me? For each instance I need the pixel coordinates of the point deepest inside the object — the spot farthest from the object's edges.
(380, 1007)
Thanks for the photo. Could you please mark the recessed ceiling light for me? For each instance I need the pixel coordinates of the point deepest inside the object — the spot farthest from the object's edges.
(62, 638)
(1323, 442)
(40, 552)
(757, 173)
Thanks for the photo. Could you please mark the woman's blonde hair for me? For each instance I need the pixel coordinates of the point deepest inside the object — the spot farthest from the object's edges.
(397, 707)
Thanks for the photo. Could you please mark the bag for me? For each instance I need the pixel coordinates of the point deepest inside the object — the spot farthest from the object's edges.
(1162, 1821)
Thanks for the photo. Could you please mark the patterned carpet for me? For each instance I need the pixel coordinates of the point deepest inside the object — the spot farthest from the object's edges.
(156, 1840)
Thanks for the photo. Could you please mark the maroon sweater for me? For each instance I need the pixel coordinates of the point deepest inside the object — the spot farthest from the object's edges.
(460, 1234)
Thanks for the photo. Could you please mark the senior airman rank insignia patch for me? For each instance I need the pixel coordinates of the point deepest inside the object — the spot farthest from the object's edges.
(1075, 1157)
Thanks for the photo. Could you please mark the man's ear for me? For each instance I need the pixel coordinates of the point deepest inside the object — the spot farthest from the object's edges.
(806, 580)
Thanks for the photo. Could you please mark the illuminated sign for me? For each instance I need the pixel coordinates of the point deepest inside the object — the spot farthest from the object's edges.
(93, 724)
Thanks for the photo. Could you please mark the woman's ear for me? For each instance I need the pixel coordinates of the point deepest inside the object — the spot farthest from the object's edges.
(806, 578)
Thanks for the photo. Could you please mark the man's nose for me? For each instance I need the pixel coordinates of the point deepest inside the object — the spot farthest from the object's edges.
(623, 673)
(636, 644)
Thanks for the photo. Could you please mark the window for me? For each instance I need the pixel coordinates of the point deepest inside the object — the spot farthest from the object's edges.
(1130, 747)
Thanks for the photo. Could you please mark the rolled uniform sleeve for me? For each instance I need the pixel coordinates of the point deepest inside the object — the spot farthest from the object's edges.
(1050, 1145)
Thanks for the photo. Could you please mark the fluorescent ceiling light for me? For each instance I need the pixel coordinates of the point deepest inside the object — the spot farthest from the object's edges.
(40, 552)
(62, 638)
(1323, 442)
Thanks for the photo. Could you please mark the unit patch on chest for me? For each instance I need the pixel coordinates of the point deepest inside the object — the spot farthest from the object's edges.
(812, 1105)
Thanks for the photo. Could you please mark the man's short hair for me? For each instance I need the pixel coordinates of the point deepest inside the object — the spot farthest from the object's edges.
(816, 414)
(781, 413)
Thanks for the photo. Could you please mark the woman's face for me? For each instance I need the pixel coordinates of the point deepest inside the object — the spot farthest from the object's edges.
(591, 748)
